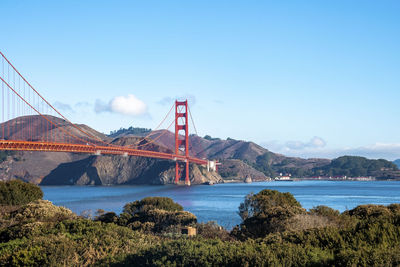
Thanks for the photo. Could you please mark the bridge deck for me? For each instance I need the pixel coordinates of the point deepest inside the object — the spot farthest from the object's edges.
(93, 149)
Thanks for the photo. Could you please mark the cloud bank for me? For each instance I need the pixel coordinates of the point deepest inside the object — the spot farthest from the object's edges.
(62, 106)
(316, 148)
(315, 143)
(127, 105)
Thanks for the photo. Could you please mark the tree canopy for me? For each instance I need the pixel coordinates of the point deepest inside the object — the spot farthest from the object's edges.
(17, 192)
(356, 166)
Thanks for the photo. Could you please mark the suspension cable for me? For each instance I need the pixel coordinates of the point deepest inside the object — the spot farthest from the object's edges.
(76, 127)
(158, 137)
(191, 118)
(153, 131)
(43, 116)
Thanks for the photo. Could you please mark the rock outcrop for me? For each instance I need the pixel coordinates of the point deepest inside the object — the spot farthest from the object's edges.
(119, 170)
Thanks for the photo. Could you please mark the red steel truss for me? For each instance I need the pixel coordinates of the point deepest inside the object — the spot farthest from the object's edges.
(93, 149)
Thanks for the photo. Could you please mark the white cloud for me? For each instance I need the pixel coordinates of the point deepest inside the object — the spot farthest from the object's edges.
(128, 105)
(100, 106)
(82, 104)
(315, 142)
(62, 106)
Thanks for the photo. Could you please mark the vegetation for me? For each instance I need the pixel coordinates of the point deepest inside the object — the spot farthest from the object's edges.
(397, 162)
(264, 164)
(356, 166)
(209, 138)
(349, 166)
(275, 231)
(16, 192)
(130, 130)
(151, 215)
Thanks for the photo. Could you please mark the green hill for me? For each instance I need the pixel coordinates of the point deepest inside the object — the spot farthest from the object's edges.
(397, 162)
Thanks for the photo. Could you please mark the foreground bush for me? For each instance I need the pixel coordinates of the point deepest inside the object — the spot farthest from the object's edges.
(153, 214)
(17, 192)
(78, 242)
(277, 232)
(267, 212)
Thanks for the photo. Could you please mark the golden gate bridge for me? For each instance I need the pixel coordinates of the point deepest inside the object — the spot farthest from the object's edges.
(20, 131)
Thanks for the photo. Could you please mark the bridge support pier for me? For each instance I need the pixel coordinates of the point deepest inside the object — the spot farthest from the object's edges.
(187, 180)
(180, 169)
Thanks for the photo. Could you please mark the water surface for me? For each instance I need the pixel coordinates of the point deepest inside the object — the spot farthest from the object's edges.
(220, 202)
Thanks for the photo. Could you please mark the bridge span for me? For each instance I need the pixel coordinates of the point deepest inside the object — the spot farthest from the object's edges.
(20, 99)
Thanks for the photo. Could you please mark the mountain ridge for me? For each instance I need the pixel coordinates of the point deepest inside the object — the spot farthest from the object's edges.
(241, 160)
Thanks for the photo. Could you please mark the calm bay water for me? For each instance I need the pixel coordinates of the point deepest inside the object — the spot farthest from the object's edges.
(220, 202)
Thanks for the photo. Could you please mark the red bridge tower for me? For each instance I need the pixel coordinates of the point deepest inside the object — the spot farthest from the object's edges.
(182, 145)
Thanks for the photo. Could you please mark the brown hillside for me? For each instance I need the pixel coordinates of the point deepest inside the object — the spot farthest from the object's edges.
(33, 166)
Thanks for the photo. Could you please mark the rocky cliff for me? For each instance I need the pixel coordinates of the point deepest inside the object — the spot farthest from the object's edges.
(118, 169)
(109, 170)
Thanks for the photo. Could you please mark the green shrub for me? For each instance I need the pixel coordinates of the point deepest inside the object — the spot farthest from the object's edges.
(258, 204)
(108, 217)
(154, 214)
(150, 203)
(17, 192)
(266, 212)
(324, 211)
(42, 211)
(41, 234)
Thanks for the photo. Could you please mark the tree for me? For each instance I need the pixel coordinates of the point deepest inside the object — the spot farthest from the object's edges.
(266, 212)
(151, 203)
(17, 192)
(155, 214)
(261, 203)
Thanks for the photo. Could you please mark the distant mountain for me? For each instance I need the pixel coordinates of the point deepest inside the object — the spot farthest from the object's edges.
(353, 166)
(397, 162)
(242, 158)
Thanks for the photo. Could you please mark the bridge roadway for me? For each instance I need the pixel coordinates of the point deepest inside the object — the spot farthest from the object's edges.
(93, 149)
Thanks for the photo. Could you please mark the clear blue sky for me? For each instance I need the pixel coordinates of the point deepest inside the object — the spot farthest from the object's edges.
(307, 78)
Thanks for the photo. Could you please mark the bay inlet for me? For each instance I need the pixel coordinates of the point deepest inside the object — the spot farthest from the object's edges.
(220, 202)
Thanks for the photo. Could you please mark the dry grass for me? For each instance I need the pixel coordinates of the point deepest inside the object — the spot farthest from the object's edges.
(301, 222)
